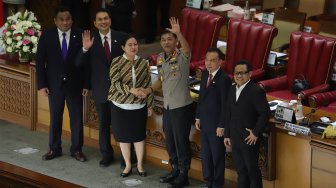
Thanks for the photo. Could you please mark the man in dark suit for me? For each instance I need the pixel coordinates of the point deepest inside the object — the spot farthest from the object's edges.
(247, 115)
(210, 118)
(60, 80)
(98, 52)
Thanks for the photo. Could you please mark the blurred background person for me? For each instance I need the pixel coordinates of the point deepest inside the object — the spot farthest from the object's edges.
(151, 17)
(13, 6)
(80, 11)
(122, 12)
(129, 73)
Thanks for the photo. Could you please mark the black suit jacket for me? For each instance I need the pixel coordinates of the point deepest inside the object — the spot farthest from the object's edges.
(98, 64)
(212, 101)
(53, 72)
(250, 111)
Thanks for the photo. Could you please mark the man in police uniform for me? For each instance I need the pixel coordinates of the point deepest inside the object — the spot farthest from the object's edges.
(173, 65)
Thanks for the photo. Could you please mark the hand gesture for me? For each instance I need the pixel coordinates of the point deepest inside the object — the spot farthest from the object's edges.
(175, 26)
(219, 132)
(251, 139)
(44, 92)
(87, 40)
(198, 124)
(227, 142)
(138, 93)
(149, 111)
(85, 92)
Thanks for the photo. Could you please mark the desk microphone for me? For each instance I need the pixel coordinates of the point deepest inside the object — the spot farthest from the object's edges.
(305, 121)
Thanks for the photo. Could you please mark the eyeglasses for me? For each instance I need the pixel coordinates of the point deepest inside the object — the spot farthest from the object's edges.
(240, 73)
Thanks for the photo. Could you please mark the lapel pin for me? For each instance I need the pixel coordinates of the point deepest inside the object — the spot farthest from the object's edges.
(115, 40)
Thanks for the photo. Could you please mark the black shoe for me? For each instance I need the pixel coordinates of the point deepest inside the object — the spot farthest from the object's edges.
(142, 174)
(51, 155)
(169, 177)
(106, 161)
(180, 181)
(79, 156)
(124, 175)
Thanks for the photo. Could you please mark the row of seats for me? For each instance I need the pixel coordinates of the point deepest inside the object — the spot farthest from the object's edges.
(310, 55)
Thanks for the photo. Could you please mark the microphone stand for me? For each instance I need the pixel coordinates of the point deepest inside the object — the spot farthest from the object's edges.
(305, 121)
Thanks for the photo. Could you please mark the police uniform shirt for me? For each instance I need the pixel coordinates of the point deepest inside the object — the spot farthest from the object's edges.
(174, 75)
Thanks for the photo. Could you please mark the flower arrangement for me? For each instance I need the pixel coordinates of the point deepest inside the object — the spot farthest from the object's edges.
(20, 35)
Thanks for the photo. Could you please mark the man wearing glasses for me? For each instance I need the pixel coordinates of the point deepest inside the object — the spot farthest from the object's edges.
(247, 115)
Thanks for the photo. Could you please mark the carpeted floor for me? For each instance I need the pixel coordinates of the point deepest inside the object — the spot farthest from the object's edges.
(88, 174)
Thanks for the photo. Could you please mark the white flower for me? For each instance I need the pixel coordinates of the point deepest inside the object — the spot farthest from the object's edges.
(25, 48)
(9, 40)
(9, 49)
(18, 44)
(21, 34)
(34, 39)
(25, 14)
(37, 26)
(19, 38)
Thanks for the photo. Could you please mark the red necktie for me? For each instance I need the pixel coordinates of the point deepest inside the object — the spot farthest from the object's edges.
(209, 80)
(107, 49)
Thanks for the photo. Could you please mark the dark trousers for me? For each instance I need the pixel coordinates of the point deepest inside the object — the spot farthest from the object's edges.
(176, 126)
(104, 115)
(246, 161)
(152, 15)
(75, 106)
(213, 158)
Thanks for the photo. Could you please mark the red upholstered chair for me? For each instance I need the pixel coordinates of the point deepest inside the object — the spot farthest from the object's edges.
(250, 41)
(309, 55)
(201, 29)
(324, 101)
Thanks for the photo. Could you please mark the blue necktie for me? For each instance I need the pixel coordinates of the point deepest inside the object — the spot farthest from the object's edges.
(64, 46)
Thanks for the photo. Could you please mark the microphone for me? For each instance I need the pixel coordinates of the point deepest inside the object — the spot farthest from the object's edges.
(305, 121)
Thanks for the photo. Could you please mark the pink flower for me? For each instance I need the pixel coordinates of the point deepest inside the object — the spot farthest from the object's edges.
(12, 27)
(25, 41)
(39, 33)
(4, 31)
(30, 31)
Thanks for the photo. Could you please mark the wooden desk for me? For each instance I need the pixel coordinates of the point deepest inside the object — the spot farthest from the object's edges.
(18, 93)
(301, 161)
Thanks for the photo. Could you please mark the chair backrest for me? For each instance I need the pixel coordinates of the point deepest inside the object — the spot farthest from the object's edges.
(287, 21)
(328, 28)
(250, 41)
(312, 56)
(201, 30)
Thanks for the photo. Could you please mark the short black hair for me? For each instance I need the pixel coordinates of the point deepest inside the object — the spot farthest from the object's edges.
(166, 31)
(62, 8)
(244, 62)
(125, 39)
(220, 54)
(102, 10)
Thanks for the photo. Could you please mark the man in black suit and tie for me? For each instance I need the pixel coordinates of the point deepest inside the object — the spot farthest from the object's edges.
(210, 118)
(247, 115)
(61, 81)
(98, 52)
